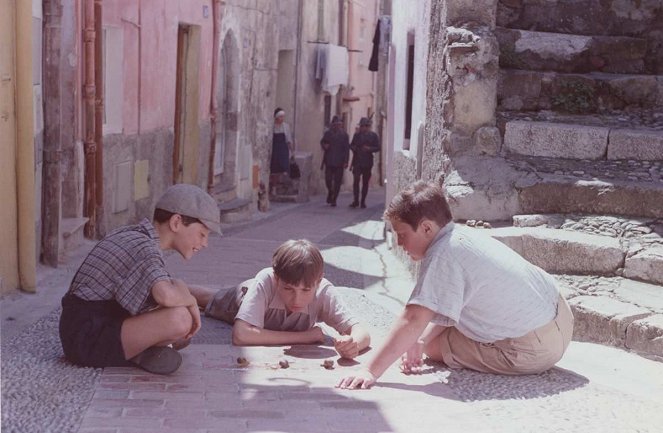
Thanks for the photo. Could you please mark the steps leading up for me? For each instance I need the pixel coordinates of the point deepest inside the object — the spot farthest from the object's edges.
(640, 19)
(577, 93)
(589, 245)
(616, 311)
(576, 186)
(541, 51)
(224, 193)
(494, 188)
(235, 210)
(581, 17)
(577, 249)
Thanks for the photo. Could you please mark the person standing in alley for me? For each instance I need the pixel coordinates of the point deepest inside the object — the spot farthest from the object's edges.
(364, 144)
(336, 147)
(282, 148)
(123, 308)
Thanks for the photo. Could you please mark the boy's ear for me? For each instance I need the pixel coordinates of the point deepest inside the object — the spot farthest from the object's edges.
(175, 222)
(427, 226)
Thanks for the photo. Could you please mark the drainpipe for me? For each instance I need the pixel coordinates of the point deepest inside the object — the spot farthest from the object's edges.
(214, 105)
(25, 149)
(51, 184)
(341, 42)
(99, 114)
(90, 146)
(298, 54)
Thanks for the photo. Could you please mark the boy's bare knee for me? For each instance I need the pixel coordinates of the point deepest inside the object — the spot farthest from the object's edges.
(180, 321)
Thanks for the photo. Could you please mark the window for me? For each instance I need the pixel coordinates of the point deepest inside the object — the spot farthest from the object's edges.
(409, 92)
(327, 119)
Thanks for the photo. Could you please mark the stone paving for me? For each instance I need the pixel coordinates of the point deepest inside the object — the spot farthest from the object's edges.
(593, 389)
(609, 170)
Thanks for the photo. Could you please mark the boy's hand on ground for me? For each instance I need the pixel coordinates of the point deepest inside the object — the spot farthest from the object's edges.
(362, 379)
(316, 334)
(346, 346)
(412, 360)
(195, 315)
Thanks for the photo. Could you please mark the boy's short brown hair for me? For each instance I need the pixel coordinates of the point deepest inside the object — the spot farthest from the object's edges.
(298, 262)
(421, 200)
(162, 216)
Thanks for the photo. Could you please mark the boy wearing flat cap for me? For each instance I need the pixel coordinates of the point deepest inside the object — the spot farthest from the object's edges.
(123, 308)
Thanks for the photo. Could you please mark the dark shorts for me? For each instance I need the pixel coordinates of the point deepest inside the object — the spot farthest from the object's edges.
(90, 332)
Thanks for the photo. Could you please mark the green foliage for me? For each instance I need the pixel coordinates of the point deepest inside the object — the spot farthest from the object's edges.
(574, 97)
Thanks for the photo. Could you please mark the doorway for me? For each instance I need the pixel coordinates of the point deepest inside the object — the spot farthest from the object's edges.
(186, 133)
(227, 96)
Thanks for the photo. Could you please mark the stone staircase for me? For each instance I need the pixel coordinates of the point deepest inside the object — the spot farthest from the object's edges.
(576, 183)
(231, 208)
(295, 190)
(71, 236)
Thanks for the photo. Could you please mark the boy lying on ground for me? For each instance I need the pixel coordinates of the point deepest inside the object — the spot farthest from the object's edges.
(283, 304)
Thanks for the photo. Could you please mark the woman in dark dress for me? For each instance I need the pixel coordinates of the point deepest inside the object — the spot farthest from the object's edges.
(281, 144)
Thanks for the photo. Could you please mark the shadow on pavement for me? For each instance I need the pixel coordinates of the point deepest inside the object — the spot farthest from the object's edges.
(309, 351)
(346, 278)
(309, 407)
(473, 386)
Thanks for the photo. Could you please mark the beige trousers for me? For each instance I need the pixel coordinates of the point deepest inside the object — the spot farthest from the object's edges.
(532, 353)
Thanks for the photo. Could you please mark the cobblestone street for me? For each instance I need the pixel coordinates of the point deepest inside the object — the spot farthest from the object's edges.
(593, 389)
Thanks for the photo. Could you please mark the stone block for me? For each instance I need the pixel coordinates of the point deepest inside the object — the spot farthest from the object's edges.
(604, 320)
(646, 265)
(635, 144)
(639, 293)
(560, 194)
(557, 140)
(646, 336)
(562, 251)
(487, 140)
(548, 51)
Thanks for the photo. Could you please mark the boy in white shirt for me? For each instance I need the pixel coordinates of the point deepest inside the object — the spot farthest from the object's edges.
(283, 304)
(477, 304)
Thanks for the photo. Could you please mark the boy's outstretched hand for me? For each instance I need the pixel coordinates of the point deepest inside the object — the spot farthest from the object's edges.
(346, 346)
(412, 360)
(362, 379)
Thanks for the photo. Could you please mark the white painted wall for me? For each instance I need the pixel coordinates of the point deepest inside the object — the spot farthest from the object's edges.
(408, 17)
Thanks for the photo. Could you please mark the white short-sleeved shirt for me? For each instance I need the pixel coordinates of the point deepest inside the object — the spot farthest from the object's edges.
(482, 287)
(262, 307)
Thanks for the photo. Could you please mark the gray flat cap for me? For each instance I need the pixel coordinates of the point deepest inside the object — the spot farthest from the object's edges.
(190, 200)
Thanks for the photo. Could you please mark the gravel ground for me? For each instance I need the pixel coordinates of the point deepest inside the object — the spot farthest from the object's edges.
(41, 392)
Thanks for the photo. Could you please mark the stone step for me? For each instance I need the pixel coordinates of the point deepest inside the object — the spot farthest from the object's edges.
(581, 17)
(616, 311)
(578, 141)
(541, 51)
(571, 194)
(574, 251)
(224, 193)
(523, 90)
(236, 210)
(496, 188)
(71, 235)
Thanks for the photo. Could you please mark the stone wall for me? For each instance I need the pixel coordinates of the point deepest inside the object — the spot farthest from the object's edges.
(461, 82)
